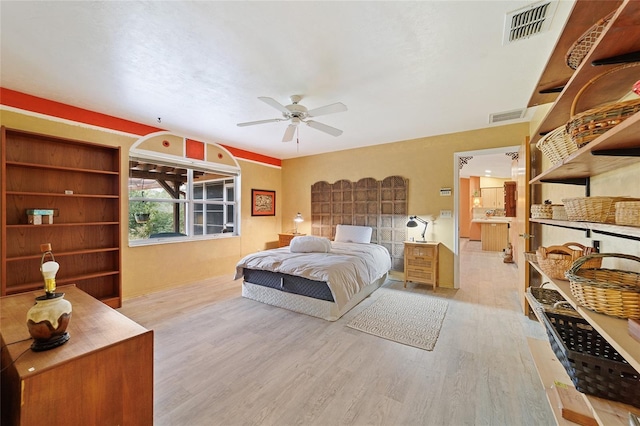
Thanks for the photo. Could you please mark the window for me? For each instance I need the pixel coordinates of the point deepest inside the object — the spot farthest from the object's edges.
(177, 202)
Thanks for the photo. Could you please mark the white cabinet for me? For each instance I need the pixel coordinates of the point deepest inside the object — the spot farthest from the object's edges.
(493, 198)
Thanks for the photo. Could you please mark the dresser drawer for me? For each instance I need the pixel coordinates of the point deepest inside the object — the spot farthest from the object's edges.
(419, 263)
(420, 251)
(420, 275)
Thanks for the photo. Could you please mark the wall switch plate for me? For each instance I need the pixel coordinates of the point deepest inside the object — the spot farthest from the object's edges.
(445, 214)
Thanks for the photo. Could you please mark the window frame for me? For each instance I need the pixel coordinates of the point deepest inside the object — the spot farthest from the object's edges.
(230, 173)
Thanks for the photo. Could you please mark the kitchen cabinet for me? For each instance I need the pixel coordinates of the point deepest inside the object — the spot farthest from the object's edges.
(621, 146)
(493, 198)
(510, 198)
(494, 236)
(80, 182)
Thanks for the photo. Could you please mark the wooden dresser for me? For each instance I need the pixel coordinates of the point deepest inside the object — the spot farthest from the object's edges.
(102, 375)
(421, 263)
(285, 239)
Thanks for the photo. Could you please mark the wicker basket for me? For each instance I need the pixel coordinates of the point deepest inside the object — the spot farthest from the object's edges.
(607, 291)
(583, 45)
(541, 211)
(588, 125)
(555, 261)
(593, 209)
(531, 256)
(557, 145)
(549, 300)
(559, 212)
(628, 213)
(594, 366)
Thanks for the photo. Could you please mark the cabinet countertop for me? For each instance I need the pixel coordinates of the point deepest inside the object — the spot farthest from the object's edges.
(492, 220)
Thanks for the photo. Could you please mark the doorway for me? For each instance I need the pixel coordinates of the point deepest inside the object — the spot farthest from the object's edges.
(478, 161)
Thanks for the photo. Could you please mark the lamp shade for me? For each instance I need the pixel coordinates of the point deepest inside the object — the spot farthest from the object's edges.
(413, 222)
(296, 220)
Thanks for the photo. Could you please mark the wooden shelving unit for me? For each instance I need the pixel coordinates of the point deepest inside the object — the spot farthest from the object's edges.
(550, 369)
(620, 231)
(613, 150)
(591, 160)
(620, 37)
(80, 181)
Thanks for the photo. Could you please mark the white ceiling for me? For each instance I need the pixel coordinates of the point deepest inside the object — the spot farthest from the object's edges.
(405, 70)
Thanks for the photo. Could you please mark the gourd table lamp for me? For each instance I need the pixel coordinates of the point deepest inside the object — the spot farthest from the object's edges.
(48, 319)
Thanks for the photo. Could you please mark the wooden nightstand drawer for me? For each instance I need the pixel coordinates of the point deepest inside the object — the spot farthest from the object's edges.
(419, 263)
(420, 250)
(421, 276)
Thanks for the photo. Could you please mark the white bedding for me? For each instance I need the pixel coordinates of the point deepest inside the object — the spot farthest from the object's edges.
(347, 268)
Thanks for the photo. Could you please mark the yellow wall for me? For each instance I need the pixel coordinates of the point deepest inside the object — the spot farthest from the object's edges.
(428, 164)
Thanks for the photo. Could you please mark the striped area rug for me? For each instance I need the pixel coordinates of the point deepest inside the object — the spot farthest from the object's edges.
(409, 318)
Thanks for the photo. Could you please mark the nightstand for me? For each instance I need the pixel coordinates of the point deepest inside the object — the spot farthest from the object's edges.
(285, 239)
(421, 263)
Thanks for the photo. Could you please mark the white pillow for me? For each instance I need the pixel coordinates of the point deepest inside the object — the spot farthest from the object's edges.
(353, 234)
(309, 244)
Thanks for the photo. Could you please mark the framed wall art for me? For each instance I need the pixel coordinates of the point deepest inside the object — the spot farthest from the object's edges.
(263, 202)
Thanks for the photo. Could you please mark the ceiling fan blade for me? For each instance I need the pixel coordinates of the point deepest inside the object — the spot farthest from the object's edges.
(277, 105)
(288, 134)
(251, 123)
(324, 128)
(328, 109)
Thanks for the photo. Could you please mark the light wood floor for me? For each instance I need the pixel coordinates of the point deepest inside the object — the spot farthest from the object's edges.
(221, 359)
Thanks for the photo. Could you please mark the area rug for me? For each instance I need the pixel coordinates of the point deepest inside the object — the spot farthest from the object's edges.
(408, 318)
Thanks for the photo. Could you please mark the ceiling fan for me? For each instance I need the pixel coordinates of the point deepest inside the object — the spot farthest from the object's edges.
(296, 114)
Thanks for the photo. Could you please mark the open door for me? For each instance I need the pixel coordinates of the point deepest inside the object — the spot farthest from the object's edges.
(521, 172)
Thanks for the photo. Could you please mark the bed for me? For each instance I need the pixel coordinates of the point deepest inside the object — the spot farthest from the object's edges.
(315, 276)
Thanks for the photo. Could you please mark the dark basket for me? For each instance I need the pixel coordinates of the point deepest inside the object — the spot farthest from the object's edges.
(594, 366)
(550, 300)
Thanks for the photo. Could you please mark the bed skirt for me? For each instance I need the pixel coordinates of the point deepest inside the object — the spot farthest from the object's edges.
(307, 305)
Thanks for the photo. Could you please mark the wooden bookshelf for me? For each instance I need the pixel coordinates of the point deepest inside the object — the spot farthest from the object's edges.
(80, 181)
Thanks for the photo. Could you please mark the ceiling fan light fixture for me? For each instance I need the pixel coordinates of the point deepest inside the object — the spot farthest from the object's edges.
(296, 114)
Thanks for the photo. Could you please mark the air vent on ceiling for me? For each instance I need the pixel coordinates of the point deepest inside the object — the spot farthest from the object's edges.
(507, 115)
(527, 21)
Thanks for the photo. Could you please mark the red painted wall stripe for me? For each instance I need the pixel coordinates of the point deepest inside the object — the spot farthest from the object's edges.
(39, 105)
(248, 155)
(56, 109)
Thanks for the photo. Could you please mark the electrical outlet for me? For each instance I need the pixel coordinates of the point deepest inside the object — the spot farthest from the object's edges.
(445, 214)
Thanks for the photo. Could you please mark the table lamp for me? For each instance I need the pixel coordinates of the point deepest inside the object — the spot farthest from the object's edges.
(412, 224)
(296, 221)
(48, 319)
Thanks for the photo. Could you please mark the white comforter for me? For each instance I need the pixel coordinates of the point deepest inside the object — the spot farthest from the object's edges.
(347, 268)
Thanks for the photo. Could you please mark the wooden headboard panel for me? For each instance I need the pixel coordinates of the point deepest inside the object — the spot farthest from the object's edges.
(382, 205)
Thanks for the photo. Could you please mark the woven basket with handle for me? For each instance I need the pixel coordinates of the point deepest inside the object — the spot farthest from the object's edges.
(612, 292)
(555, 261)
(557, 145)
(588, 125)
(583, 44)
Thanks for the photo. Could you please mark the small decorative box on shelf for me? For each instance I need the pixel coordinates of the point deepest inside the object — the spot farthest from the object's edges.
(40, 216)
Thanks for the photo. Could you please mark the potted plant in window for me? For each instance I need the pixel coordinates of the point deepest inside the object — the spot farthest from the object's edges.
(141, 217)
